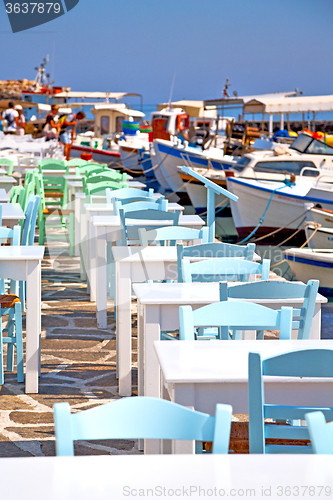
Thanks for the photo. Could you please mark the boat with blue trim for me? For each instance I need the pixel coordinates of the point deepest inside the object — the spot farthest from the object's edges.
(307, 263)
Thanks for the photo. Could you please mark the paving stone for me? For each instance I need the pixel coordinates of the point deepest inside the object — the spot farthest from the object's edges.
(65, 344)
(31, 417)
(33, 433)
(10, 449)
(11, 402)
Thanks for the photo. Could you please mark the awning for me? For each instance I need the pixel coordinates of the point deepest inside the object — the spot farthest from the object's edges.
(24, 104)
(95, 95)
(120, 108)
(298, 104)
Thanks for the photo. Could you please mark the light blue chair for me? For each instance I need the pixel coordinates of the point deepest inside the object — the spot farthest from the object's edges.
(131, 204)
(321, 433)
(224, 269)
(10, 305)
(230, 318)
(12, 236)
(128, 194)
(213, 250)
(275, 289)
(143, 211)
(303, 363)
(163, 235)
(140, 418)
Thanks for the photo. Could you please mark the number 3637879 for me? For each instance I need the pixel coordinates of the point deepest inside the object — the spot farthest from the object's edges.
(31, 8)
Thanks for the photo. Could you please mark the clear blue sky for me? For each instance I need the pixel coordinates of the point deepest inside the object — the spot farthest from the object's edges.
(137, 46)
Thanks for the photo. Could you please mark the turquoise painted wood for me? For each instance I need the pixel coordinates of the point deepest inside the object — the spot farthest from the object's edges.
(129, 233)
(233, 316)
(100, 175)
(305, 363)
(99, 187)
(211, 250)
(132, 194)
(212, 190)
(143, 203)
(321, 433)
(170, 235)
(223, 269)
(13, 339)
(275, 289)
(140, 418)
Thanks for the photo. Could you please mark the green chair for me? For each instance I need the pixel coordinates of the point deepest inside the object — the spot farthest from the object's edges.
(55, 186)
(5, 162)
(77, 162)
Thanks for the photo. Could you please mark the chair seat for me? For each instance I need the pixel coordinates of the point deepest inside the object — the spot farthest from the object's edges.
(8, 300)
(53, 195)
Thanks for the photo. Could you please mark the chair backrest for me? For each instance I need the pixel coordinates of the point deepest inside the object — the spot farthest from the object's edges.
(140, 418)
(77, 162)
(13, 234)
(321, 433)
(276, 289)
(211, 250)
(171, 235)
(106, 173)
(52, 164)
(14, 195)
(5, 162)
(302, 363)
(132, 194)
(147, 203)
(224, 269)
(100, 187)
(235, 316)
(29, 225)
(130, 233)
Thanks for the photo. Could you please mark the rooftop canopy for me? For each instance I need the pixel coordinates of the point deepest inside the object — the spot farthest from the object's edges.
(95, 95)
(298, 104)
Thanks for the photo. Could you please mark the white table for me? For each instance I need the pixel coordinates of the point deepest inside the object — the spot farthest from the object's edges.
(88, 251)
(107, 229)
(4, 196)
(24, 264)
(201, 374)
(7, 182)
(78, 198)
(132, 265)
(12, 213)
(158, 310)
(167, 476)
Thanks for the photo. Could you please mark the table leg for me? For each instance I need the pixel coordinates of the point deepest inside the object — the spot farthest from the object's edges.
(101, 279)
(77, 212)
(91, 259)
(151, 372)
(33, 329)
(124, 327)
(83, 241)
(184, 394)
(141, 313)
(315, 332)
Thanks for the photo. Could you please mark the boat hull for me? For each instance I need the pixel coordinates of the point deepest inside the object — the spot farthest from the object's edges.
(280, 211)
(308, 264)
(98, 155)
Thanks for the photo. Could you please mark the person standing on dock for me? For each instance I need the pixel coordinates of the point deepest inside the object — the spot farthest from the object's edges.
(9, 119)
(67, 131)
(20, 123)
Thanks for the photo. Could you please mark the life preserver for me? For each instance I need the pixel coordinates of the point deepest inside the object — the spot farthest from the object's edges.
(183, 122)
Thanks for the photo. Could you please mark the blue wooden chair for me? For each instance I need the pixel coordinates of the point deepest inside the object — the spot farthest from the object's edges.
(140, 418)
(224, 269)
(163, 235)
(303, 363)
(10, 305)
(213, 250)
(143, 211)
(131, 194)
(131, 204)
(321, 433)
(230, 318)
(275, 289)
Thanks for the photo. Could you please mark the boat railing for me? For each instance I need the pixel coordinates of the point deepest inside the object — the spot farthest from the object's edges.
(326, 173)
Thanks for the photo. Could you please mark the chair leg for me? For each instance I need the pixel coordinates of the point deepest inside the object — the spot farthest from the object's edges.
(71, 234)
(22, 287)
(10, 345)
(19, 342)
(42, 231)
(2, 378)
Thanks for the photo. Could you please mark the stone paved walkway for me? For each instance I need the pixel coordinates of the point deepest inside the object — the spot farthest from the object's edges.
(78, 366)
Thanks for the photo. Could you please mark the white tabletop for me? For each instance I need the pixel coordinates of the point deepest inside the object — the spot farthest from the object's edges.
(114, 220)
(12, 211)
(147, 254)
(6, 179)
(221, 360)
(176, 293)
(22, 253)
(4, 196)
(166, 476)
(108, 207)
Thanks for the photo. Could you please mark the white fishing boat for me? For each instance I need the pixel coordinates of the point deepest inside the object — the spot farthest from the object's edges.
(308, 264)
(276, 210)
(319, 227)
